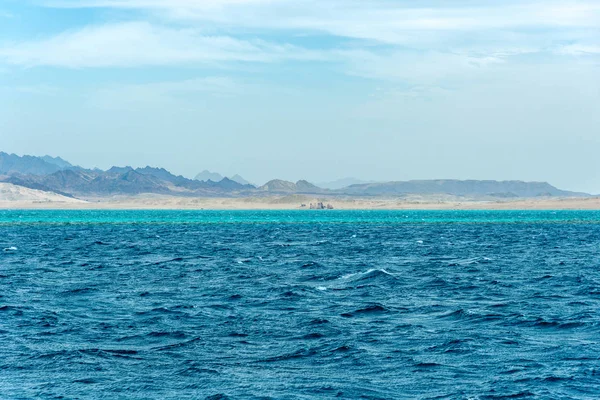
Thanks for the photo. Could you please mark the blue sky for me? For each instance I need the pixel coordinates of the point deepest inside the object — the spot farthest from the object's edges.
(314, 89)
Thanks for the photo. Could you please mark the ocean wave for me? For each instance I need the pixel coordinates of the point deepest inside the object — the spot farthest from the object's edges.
(378, 316)
(371, 309)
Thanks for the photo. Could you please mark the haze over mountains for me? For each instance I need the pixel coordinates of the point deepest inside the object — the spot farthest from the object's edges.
(208, 176)
(216, 177)
(53, 174)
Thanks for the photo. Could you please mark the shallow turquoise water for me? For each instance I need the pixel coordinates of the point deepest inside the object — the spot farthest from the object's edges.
(294, 216)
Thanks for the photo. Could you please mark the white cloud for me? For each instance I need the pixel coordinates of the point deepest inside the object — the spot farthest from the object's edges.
(391, 40)
(468, 33)
(580, 49)
(379, 20)
(140, 44)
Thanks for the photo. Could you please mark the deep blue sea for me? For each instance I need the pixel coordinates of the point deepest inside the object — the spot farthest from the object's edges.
(299, 304)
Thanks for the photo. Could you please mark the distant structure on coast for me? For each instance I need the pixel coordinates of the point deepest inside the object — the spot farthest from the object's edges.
(319, 206)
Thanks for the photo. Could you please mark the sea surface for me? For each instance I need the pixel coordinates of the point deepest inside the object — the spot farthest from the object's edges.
(299, 304)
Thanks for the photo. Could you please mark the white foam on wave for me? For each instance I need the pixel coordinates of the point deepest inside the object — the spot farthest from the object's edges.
(380, 270)
(346, 277)
(354, 278)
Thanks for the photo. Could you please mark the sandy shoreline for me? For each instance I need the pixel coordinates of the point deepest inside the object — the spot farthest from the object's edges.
(294, 203)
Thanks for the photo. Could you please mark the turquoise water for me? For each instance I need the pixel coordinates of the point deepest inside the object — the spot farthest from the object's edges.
(299, 304)
(295, 216)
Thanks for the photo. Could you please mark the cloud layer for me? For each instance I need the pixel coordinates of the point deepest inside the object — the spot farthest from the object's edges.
(178, 32)
(141, 44)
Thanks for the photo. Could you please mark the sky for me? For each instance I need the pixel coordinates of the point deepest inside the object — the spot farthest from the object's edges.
(308, 89)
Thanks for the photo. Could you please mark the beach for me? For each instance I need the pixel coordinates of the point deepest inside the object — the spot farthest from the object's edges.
(148, 202)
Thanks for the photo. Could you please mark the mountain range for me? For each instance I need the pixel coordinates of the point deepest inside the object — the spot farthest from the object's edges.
(473, 188)
(53, 174)
(124, 181)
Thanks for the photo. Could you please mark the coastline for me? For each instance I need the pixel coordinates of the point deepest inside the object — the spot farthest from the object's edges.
(294, 203)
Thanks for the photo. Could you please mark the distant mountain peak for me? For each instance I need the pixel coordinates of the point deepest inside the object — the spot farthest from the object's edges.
(229, 184)
(237, 178)
(307, 187)
(57, 161)
(119, 170)
(279, 185)
(206, 176)
(149, 168)
(14, 164)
